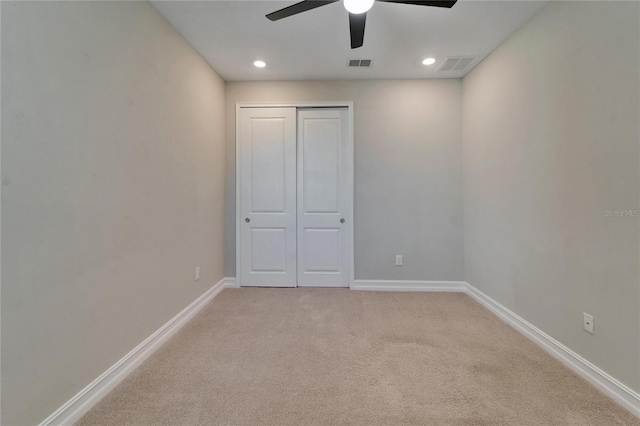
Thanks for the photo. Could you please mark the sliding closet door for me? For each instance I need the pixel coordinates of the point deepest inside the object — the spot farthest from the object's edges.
(324, 197)
(267, 161)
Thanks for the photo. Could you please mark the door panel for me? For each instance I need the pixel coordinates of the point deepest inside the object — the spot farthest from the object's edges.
(268, 250)
(322, 250)
(267, 157)
(324, 198)
(320, 172)
(268, 173)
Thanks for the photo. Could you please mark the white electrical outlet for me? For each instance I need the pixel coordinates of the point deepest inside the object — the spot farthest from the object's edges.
(588, 322)
(398, 260)
(197, 273)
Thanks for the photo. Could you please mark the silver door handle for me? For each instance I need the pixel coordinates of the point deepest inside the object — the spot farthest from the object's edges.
(246, 219)
(342, 220)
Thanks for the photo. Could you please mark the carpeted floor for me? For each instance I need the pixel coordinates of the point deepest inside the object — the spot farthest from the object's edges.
(339, 357)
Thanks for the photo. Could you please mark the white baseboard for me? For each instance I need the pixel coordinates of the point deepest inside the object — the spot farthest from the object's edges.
(82, 402)
(90, 395)
(405, 285)
(612, 387)
(230, 282)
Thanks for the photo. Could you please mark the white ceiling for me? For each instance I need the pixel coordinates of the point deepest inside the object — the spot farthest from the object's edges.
(315, 45)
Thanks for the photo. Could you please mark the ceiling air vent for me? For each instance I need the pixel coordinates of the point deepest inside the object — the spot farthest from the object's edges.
(360, 63)
(457, 63)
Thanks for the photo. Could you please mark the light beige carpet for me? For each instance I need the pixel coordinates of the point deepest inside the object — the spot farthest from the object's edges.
(340, 357)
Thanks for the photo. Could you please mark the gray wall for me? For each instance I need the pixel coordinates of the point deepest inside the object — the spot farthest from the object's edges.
(550, 144)
(113, 191)
(408, 171)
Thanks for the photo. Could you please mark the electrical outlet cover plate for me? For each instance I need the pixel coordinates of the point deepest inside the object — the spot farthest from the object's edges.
(197, 273)
(398, 260)
(588, 322)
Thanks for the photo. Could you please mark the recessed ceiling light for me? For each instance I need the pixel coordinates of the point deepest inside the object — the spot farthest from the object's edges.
(429, 61)
(358, 6)
(260, 64)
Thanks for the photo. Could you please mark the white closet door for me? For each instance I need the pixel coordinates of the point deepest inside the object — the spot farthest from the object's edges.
(267, 196)
(324, 198)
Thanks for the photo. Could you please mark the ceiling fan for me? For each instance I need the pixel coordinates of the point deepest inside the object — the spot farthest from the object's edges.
(357, 12)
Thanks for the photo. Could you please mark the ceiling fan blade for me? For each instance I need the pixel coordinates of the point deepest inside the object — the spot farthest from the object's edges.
(356, 25)
(436, 3)
(294, 9)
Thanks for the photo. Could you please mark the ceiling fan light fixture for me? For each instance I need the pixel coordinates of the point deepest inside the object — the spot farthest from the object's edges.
(429, 61)
(358, 6)
(357, 12)
(259, 64)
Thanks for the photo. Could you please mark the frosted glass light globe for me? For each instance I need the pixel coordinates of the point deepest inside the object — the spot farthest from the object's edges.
(358, 6)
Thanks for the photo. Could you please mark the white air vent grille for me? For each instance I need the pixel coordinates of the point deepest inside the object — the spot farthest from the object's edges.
(360, 63)
(457, 63)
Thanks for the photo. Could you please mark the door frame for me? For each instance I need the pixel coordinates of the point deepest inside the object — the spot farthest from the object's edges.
(350, 177)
